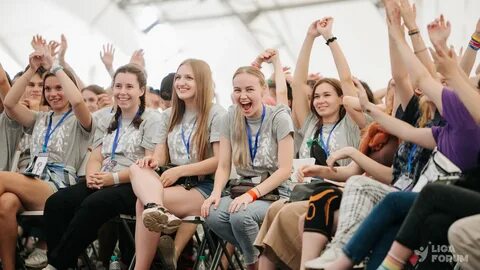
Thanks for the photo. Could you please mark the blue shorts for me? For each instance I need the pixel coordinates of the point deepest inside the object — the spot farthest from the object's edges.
(205, 187)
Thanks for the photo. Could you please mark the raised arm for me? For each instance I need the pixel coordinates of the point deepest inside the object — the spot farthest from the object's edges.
(402, 130)
(447, 65)
(13, 107)
(468, 58)
(300, 88)
(409, 17)
(273, 57)
(107, 56)
(419, 75)
(70, 91)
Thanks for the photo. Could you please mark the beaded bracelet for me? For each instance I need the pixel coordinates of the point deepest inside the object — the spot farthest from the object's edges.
(330, 40)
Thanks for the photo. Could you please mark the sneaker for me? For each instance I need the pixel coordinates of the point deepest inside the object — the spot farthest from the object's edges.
(166, 247)
(327, 257)
(158, 219)
(37, 259)
(49, 267)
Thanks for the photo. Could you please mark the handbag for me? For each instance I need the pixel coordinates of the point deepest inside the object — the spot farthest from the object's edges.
(188, 182)
(238, 187)
(438, 169)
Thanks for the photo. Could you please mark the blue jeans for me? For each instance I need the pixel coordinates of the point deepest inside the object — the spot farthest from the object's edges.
(239, 228)
(377, 232)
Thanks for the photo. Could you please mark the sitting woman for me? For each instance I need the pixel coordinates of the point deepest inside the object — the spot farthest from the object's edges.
(258, 140)
(59, 141)
(74, 215)
(189, 135)
(325, 125)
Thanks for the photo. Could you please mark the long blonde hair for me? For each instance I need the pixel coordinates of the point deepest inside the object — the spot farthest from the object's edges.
(203, 101)
(426, 112)
(240, 151)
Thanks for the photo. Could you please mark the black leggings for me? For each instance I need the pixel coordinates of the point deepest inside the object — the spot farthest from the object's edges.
(435, 209)
(321, 208)
(74, 215)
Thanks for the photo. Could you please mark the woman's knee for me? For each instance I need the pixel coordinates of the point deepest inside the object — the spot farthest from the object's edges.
(9, 204)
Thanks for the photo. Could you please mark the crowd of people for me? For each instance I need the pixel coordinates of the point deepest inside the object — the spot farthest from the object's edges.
(395, 176)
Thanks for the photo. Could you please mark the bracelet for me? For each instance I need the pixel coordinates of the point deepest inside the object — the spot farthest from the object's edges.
(330, 40)
(252, 194)
(419, 51)
(116, 179)
(258, 191)
(413, 32)
(55, 68)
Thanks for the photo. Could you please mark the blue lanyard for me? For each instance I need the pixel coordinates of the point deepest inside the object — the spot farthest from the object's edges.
(322, 143)
(253, 147)
(50, 131)
(186, 142)
(116, 138)
(411, 155)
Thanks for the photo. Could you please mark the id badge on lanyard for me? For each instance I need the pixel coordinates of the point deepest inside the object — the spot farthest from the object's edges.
(403, 183)
(39, 163)
(108, 165)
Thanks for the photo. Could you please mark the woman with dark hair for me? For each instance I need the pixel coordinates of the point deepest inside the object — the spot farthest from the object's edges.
(59, 141)
(324, 125)
(74, 215)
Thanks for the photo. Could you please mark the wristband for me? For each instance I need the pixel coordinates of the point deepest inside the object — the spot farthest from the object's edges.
(419, 51)
(252, 194)
(55, 68)
(116, 179)
(330, 40)
(413, 32)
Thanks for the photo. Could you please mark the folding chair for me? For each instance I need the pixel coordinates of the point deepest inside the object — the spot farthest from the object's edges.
(217, 248)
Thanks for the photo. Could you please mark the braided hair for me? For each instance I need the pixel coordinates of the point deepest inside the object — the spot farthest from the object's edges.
(142, 81)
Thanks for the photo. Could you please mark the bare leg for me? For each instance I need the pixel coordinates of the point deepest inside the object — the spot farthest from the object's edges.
(17, 191)
(397, 256)
(145, 242)
(146, 185)
(313, 243)
(264, 263)
(184, 234)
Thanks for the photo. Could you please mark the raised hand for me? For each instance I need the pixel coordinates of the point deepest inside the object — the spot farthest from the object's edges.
(35, 59)
(362, 95)
(395, 29)
(268, 56)
(53, 46)
(104, 100)
(312, 29)
(37, 42)
(63, 49)
(137, 58)
(315, 76)
(107, 55)
(47, 57)
(439, 31)
(324, 27)
(409, 14)
(445, 60)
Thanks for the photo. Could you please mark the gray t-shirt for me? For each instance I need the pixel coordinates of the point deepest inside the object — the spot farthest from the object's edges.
(102, 118)
(346, 133)
(132, 142)
(10, 134)
(67, 145)
(176, 147)
(276, 126)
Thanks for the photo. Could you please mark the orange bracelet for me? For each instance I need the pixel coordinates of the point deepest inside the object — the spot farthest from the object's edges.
(252, 194)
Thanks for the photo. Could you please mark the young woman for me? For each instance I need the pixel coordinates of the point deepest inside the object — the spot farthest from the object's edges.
(325, 125)
(59, 141)
(189, 135)
(90, 95)
(74, 215)
(261, 149)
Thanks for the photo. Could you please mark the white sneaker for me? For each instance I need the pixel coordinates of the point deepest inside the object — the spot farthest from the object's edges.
(37, 259)
(159, 219)
(327, 257)
(49, 267)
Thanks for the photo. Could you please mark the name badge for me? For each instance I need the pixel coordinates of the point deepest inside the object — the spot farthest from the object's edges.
(108, 165)
(403, 183)
(39, 164)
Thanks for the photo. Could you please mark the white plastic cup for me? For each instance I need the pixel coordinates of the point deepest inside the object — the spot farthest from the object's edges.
(297, 164)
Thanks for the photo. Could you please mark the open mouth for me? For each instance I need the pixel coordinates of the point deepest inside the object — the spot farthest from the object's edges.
(246, 106)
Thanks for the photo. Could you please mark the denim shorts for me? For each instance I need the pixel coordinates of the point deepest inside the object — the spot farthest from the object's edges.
(205, 187)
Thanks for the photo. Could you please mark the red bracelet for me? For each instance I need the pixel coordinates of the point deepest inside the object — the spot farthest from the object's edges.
(252, 193)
